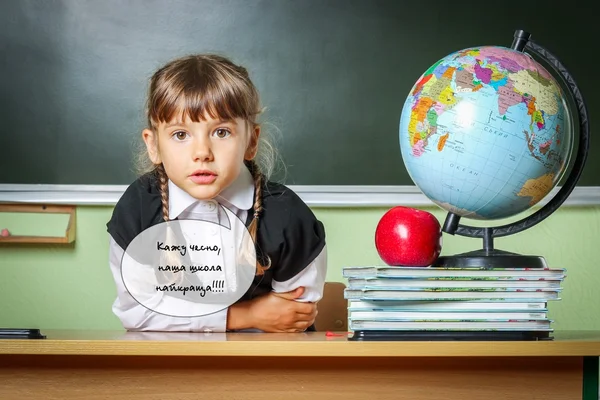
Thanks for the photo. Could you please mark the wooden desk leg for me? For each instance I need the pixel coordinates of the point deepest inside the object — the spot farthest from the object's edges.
(590, 378)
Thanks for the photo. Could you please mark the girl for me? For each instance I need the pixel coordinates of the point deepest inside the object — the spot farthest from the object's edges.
(205, 150)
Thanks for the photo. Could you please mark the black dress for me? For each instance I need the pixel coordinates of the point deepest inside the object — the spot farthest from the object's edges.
(288, 231)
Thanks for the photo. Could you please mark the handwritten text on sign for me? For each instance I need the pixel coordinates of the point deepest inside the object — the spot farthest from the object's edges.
(190, 268)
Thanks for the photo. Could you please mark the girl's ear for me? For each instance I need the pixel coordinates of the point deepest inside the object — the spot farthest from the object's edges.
(151, 145)
(252, 148)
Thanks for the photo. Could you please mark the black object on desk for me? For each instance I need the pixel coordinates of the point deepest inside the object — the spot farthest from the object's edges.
(367, 335)
(13, 333)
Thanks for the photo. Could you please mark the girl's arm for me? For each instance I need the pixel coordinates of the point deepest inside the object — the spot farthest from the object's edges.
(311, 278)
(273, 312)
(291, 307)
(269, 313)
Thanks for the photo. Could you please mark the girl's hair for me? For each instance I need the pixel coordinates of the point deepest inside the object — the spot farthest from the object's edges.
(207, 84)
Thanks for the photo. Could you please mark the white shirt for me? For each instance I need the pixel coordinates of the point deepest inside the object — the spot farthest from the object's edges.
(238, 198)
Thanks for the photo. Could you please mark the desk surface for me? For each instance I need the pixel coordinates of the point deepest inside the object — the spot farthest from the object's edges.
(314, 344)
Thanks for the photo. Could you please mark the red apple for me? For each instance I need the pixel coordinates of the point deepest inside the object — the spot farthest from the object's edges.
(408, 237)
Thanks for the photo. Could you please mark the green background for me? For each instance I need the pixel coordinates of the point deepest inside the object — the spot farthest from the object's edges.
(71, 287)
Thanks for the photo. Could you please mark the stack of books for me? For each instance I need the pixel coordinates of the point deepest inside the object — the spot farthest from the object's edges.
(446, 299)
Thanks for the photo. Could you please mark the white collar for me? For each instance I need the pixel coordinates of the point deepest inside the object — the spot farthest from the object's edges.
(240, 194)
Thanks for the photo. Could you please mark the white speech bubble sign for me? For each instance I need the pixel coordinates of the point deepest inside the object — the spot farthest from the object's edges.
(190, 268)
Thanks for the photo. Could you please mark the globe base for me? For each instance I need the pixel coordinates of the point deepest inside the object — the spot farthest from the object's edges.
(490, 259)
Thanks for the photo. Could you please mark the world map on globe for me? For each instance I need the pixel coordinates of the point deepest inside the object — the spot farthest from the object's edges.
(485, 132)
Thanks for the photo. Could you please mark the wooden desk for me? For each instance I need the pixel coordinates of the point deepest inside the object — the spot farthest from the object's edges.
(96, 365)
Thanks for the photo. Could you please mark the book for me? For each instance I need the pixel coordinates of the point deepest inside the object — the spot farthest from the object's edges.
(385, 300)
(399, 283)
(451, 305)
(508, 325)
(393, 315)
(533, 295)
(486, 273)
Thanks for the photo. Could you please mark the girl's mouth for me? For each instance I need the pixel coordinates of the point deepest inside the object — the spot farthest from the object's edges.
(203, 177)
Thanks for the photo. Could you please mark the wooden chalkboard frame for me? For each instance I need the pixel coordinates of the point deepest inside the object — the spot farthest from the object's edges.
(314, 196)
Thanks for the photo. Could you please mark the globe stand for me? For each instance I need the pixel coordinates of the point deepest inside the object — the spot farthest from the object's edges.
(488, 257)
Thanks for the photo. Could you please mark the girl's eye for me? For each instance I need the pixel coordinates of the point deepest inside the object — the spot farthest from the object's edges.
(221, 133)
(180, 135)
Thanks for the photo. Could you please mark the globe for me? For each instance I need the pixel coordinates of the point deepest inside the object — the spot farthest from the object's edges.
(486, 133)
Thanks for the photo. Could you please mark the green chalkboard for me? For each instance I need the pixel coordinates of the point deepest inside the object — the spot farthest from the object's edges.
(333, 75)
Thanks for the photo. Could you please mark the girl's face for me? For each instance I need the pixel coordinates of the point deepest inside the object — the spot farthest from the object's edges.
(205, 157)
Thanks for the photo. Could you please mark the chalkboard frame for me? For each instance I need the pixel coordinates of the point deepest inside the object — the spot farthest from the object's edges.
(315, 196)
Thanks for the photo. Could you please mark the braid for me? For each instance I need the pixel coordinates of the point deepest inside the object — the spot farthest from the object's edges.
(169, 258)
(257, 208)
(163, 182)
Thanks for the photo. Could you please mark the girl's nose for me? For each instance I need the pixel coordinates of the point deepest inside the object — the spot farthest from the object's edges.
(202, 150)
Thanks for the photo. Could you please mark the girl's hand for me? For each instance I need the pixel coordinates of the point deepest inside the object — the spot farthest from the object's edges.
(279, 312)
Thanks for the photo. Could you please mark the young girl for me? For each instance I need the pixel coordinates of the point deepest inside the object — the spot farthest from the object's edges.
(204, 145)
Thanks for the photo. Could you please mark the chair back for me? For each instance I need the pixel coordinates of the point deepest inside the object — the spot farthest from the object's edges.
(333, 309)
